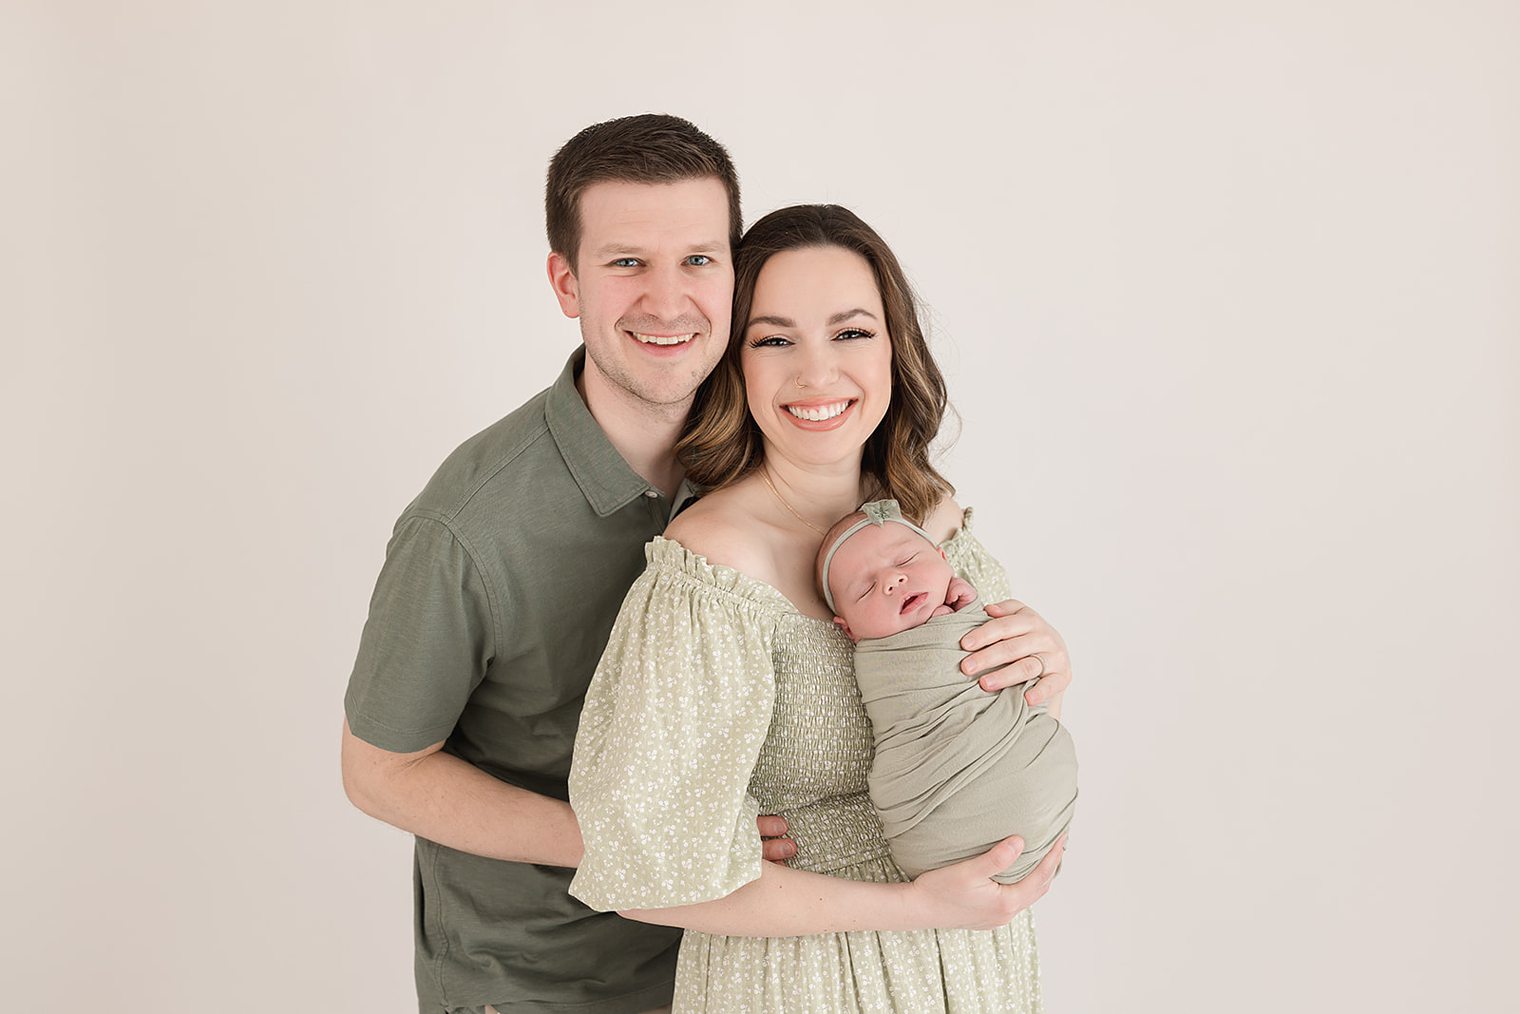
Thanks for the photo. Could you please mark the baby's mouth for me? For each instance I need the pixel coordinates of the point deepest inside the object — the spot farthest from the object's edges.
(910, 603)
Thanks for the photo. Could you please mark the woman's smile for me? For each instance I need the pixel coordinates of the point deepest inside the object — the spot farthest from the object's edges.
(825, 415)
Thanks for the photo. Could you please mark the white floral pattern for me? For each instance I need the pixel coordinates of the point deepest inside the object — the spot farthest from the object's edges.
(716, 700)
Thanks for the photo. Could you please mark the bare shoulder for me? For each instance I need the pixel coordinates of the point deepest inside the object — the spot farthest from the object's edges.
(944, 520)
(721, 528)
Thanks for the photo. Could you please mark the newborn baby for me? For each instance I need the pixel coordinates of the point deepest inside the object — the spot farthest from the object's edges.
(956, 769)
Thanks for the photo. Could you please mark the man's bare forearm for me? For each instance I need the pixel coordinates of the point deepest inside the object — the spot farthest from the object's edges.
(444, 799)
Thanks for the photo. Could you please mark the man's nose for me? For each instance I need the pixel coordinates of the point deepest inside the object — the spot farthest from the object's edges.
(665, 295)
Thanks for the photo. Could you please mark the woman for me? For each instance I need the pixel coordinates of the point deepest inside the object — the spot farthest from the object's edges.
(726, 692)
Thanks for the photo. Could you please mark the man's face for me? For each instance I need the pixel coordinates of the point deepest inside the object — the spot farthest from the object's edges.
(652, 285)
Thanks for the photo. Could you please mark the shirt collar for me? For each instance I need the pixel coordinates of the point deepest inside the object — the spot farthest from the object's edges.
(600, 471)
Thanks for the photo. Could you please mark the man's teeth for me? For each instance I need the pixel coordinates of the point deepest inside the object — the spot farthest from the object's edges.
(818, 413)
(659, 339)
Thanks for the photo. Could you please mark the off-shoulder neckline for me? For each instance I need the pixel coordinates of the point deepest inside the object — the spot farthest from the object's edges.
(738, 582)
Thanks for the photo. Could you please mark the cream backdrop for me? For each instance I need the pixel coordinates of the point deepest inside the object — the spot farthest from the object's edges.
(1226, 298)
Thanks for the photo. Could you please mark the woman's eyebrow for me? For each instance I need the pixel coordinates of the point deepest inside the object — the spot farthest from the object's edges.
(772, 321)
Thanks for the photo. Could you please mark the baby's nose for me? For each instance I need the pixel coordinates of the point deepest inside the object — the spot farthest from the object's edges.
(892, 584)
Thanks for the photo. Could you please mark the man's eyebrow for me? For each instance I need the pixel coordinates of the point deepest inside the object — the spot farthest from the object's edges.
(710, 246)
(847, 314)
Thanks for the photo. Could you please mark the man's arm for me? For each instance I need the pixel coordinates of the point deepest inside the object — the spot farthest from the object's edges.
(452, 802)
(786, 902)
(444, 799)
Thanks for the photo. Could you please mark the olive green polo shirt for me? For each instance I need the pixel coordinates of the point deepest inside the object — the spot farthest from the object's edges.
(500, 586)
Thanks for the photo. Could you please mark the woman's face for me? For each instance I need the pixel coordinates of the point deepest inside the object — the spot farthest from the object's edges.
(817, 358)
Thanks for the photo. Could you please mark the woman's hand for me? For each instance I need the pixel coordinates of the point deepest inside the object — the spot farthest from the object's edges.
(1019, 635)
(964, 896)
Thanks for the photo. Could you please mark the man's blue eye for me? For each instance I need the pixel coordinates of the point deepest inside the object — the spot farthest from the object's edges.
(699, 260)
(626, 262)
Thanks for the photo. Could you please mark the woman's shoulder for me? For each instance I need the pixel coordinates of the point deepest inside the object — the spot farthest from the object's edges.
(720, 528)
(946, 520)
(716, 550)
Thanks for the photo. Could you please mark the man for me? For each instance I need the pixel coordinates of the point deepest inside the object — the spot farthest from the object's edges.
(502, 580)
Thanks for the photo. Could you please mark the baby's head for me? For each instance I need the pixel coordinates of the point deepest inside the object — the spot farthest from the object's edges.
(880, 573)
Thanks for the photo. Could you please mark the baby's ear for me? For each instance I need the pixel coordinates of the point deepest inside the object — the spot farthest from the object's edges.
(839, 621)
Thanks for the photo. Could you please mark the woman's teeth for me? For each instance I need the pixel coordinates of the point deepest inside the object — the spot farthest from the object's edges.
(660, 339)
(818, 413)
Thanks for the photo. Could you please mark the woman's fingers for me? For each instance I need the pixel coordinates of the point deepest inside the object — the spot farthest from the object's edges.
(1010, 618)
(1019, 638)
(1037, 881)
(998, 858)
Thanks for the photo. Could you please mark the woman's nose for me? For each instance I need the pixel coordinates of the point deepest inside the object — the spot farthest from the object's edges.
(818, 369)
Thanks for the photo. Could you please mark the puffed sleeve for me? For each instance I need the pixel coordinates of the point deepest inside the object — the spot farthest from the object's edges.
(672, 726)
(973, 563)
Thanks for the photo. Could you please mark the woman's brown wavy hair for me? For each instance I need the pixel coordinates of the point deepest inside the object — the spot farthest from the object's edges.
(721, 443)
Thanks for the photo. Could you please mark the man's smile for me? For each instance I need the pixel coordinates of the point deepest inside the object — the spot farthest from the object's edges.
(663, 339)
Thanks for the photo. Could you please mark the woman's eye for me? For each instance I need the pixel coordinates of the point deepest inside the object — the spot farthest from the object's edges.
(854, 332)
(774, 341)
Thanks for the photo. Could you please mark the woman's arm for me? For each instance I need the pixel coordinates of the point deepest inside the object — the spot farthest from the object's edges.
(1016, 634)
(785, 902)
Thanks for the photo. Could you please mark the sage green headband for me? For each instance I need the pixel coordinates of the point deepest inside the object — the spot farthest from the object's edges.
(878, 513)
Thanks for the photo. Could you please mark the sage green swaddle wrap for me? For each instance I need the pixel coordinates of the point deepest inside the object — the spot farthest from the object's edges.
(958, 769)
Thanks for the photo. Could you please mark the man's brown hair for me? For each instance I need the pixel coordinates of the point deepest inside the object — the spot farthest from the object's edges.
(648, 148)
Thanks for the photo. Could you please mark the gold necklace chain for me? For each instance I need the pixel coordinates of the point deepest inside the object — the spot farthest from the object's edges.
(782, 500)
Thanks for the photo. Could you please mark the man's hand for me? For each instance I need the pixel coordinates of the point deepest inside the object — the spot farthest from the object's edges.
(1019, 635)
(773, 847)
(964, 896)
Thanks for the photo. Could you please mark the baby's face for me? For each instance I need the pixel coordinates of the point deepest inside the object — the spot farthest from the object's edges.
(885, 579)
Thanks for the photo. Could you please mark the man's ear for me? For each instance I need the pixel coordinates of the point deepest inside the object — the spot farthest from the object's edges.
(565, 285)
(839, 622)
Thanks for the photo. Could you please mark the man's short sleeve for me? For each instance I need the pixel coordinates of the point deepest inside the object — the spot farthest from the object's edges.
(426, 644)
